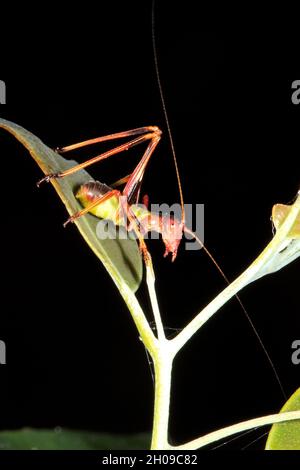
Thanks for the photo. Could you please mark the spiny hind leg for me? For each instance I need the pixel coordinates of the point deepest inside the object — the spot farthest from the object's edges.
(115, 136)
(143, 134)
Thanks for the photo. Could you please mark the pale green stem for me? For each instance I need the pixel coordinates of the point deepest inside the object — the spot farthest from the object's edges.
(139, 318)
(162, 360)
(183, 337)
(164, 351)
(257, 269)
(162, 355)
(154, 303)
(163, 372)
(236, 428)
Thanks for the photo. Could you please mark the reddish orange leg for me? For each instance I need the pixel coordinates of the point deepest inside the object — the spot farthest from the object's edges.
(120, 182)
(105, 138)
(95, 203)
(146, 201)
(134, 182)
(134, 224)
(129, 214)
(146, 133)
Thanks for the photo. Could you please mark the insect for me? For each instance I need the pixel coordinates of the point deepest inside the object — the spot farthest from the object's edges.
(122, 206)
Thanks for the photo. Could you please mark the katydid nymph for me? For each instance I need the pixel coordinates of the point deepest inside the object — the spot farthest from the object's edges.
(122, 206)
(108, 202)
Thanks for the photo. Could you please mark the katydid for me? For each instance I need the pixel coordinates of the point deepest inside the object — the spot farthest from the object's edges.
(107, 202)
(110, 203)
(122, 206)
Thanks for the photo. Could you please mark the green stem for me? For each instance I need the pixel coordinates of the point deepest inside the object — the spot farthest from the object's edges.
(163, 371)
(139, 318)
(236, 428)
(183, 337)
(150, 278)
(163, 351)
(261, 266)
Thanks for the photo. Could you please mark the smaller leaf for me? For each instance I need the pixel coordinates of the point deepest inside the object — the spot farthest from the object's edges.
(284, 248)
(286, 436)
(279, 214)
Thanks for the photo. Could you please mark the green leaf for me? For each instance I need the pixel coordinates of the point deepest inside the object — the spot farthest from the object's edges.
(66, 439)
(286, 436)
(120, 257)
(284, 248)
(279, 214)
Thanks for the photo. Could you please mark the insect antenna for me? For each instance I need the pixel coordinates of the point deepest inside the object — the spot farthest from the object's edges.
(162, 99)
(268, 357)
(186, 230)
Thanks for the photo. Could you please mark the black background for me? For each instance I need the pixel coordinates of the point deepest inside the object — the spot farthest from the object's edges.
(73, 354)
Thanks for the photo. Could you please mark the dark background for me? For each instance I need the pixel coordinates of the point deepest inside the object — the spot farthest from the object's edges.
(73, 355)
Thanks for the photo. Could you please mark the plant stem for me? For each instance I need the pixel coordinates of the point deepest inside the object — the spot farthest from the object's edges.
(163, 369)
(183, 337)
(163, 351)
(261, 266)
(150, 277)
(139, 318)
(163, 360)
(236, 428)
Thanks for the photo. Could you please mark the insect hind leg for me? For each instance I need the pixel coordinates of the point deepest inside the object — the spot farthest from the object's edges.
(143, 134)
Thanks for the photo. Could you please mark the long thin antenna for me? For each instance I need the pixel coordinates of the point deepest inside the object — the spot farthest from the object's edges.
(187, 230)
(165, 112)
(182, 201)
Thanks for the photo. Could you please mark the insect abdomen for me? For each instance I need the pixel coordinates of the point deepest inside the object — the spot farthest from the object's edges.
(89, 192)
(92, 190)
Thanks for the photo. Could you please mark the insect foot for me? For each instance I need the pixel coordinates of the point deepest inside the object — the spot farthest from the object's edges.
(47, 178)
(70, 220)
